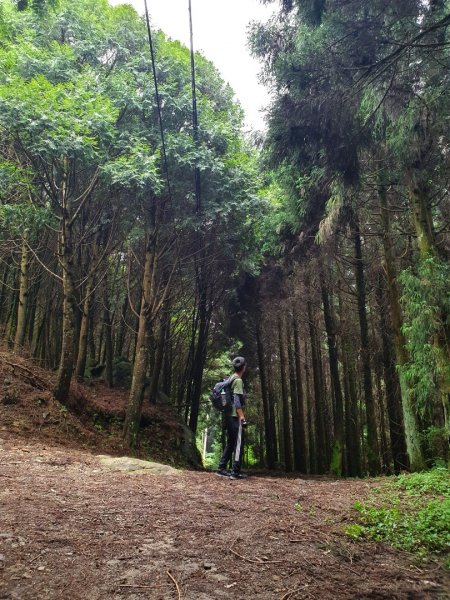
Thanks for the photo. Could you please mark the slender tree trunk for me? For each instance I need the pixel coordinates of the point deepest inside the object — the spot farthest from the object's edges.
(311, 437)
(273, 411)
(32, 311)
(133, 415)
(84, 331)
(393, 391)
(270, 454)
(336, 466)
(412, 434)
(284, 397)
(23, 296)
(3, 291)
(373, 451)
(120, 337)
(107, 325)
(157, 363)
(300, 400)
(200, 355)
(423, 218)
(317, 428)
(67, 360)
(168, 357)
(296, 425)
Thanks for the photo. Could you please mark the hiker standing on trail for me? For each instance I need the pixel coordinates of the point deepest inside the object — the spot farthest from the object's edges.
(235, 423)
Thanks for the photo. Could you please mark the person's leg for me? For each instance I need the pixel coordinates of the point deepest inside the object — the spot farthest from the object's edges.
(231, 443)
(238, 449)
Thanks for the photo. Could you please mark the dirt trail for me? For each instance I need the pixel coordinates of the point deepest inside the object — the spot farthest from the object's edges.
(71, 528)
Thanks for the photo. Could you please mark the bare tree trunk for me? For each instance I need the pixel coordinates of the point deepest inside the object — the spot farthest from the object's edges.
(412, 434)
(300, 399)
(3, 290)
(66, 365)
(270, 453)
(373, 451)
(158, 361)
(393, 390)
(23, 296)
(133, 415)
(84, 330)
(284, 397)
(318, 442)
(337, 459)
(107, 325)
(205, 311)
(296, 424)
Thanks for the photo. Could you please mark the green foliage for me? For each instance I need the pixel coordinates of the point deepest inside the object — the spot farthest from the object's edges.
(38, 6)
(426, 302)
(14, 180)
(138, 168)
(411, 513)
(436, 481)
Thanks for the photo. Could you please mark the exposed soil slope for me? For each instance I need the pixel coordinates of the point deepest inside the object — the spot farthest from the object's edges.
(93, 416)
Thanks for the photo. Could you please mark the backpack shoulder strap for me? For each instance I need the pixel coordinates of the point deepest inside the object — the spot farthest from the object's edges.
(231, 379)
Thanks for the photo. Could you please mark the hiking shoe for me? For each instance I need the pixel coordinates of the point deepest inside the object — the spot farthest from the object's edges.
(238, 476)
(223, 473)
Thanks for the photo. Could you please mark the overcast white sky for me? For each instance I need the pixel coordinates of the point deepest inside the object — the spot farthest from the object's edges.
(220, 34)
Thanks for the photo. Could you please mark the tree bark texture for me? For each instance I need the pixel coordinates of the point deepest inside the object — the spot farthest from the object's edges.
(410, 422)
(287, 448)
(23, 296)
(373, 451)
(336, 466)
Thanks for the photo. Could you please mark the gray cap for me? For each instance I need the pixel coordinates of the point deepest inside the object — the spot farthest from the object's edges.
(238, 362)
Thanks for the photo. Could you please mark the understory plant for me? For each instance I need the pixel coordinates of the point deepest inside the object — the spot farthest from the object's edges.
(411, 512)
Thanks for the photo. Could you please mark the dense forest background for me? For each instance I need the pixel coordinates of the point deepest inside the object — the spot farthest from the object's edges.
(318, 250)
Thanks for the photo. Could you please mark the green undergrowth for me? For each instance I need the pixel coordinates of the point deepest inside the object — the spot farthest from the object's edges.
(411, 512)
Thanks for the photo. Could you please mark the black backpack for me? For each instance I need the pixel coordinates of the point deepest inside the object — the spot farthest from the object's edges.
(221, 396)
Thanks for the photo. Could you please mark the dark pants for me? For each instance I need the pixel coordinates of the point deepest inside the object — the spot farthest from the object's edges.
(235, 443)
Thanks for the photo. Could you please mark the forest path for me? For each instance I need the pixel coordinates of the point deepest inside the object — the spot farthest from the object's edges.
(72, 528)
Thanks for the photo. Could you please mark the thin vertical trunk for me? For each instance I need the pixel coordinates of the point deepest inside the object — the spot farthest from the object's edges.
(168, 358)
(32, 311)
(121, 330)
(67, 360)
(352, 428)
(393, 390)
(84, 331)
(412, 433)
(296, 425)
(311, 436)
(300, 400)
(133, 415)
(23, 296)
(317, 428)
(158, 360)
(274, 430)
(336, 466)
(284, 398)
(199, 357)
(107, 325)
(4, 290)
(270, 454)
(373, 452)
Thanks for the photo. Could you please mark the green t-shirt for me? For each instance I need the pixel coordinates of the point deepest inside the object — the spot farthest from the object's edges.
(237, 387)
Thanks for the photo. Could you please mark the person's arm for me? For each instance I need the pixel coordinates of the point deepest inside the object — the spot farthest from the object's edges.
(238, 397)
